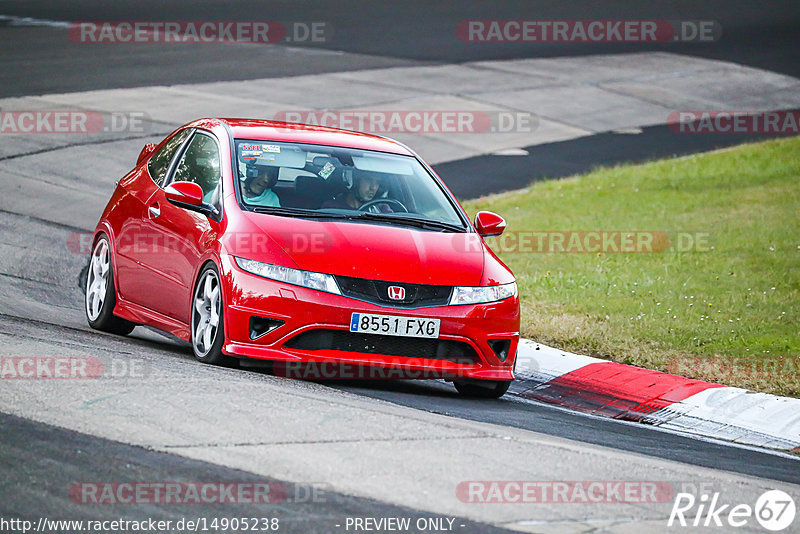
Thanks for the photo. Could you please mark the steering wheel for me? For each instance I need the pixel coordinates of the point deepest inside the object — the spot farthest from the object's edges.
(371, 205)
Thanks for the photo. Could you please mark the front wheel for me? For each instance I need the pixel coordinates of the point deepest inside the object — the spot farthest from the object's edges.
(100, 295)
(482, 389)
(208, 326)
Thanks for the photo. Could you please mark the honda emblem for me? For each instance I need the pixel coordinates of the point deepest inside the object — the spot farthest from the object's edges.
(397, 293)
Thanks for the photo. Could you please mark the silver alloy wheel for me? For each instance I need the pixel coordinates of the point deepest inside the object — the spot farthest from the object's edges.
(205, 316)
(97, 280)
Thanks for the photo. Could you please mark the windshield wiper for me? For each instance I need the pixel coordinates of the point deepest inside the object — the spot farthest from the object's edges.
(427, 224)
(298, 212)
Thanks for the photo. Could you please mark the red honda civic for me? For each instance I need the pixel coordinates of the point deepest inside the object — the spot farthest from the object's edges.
(309, 247)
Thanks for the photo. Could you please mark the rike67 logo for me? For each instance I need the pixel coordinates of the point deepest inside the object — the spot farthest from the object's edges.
(774, 510)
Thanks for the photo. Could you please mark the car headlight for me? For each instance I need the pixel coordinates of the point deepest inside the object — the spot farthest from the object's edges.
(478, 295)
(309, 279)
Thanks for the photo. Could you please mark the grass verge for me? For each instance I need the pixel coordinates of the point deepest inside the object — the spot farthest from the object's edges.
(716, 299)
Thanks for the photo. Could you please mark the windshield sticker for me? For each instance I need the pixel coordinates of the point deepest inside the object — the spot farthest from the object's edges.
(265, 157)
(326, 170)
(271, 148)
(250, 152)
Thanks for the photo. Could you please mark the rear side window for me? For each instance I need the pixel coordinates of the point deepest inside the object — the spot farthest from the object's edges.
(159, 163)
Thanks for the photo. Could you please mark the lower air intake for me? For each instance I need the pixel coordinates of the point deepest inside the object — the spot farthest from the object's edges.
(434, 349)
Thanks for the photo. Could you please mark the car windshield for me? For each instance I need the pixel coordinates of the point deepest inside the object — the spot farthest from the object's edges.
(333, 182)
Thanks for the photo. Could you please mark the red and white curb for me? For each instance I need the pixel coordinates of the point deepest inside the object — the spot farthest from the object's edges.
(668, 401)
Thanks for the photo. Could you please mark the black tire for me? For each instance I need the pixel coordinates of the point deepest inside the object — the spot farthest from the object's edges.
(211, 355)
(482, 389)
(103, 318)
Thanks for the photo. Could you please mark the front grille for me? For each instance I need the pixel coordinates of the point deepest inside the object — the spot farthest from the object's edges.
(377, 292)
(434, 349)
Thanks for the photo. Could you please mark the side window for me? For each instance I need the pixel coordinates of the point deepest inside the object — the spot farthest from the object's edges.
(159, 163)
(200, 164)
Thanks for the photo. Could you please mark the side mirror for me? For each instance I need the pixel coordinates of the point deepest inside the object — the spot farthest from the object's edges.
(148, 149)
(489, 224)
(184, 193)
(189, 196)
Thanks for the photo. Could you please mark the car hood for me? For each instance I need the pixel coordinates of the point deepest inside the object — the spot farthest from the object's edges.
(375, 251)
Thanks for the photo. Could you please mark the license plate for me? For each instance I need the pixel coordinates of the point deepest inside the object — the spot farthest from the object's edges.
(394, 325)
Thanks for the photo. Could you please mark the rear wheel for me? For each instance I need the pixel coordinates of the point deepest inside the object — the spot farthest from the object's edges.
(100, 296)
(208, 328)
(482, 389)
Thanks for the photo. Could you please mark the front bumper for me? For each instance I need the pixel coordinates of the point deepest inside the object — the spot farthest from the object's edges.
(464, 330)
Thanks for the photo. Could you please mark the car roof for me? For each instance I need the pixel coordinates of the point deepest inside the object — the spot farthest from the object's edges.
(265, 130)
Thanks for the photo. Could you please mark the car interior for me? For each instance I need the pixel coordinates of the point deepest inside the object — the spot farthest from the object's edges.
(308, 180)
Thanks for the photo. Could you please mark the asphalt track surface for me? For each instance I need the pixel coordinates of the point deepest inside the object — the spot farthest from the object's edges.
(633, 437)
(361, 34)
(38, 447)
(39, 461)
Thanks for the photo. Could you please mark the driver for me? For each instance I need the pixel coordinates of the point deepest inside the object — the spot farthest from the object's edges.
(364, 189)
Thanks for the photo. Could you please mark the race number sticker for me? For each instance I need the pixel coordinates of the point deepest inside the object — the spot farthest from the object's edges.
(250, 152)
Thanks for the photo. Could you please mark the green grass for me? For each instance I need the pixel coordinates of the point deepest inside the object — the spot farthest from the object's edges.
(726, 312)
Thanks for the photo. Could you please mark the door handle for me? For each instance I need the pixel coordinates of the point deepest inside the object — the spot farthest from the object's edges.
(154, 211)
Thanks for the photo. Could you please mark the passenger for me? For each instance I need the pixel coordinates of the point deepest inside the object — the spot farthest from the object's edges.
(257, 186)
